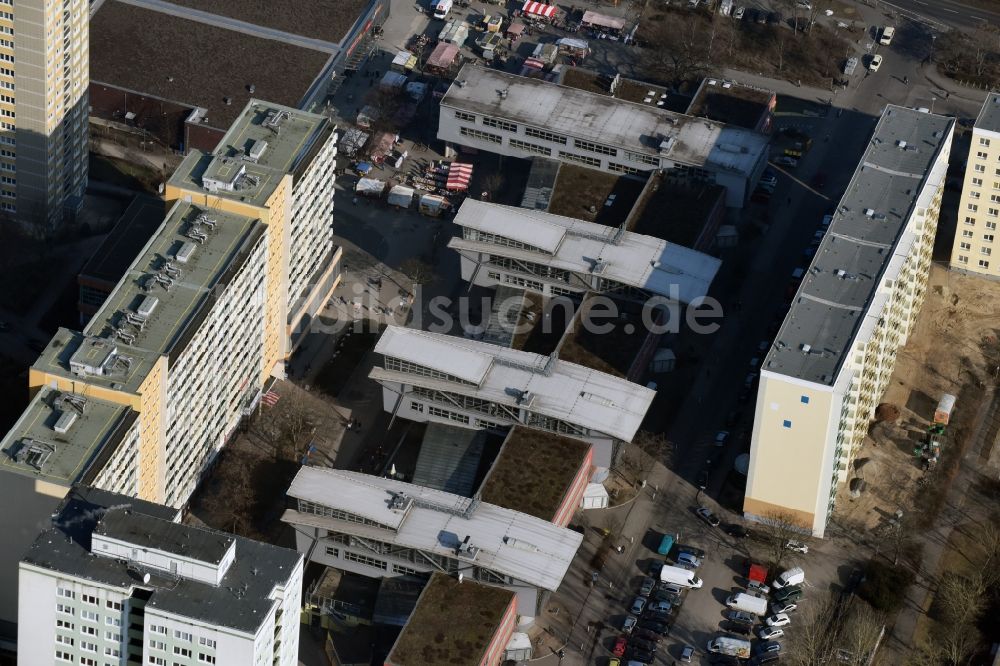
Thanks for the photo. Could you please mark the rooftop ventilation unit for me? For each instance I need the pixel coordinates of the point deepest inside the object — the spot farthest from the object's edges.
(73, 401)
(593, 397)
(197, 236)
(149, 303)
(171, 270)
(400, 502)
(666, 144)
(275, 119)
(93, 358)
(902, 144)
(255, 151)
(206, 220)
(806, 348)
(64, 422)
(184, 252)
(466, 549)
(125, 336)
(525, 399)
(33, 452)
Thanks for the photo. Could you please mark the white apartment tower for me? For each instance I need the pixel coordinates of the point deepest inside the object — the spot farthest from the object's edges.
(44, 74)
(119, 581)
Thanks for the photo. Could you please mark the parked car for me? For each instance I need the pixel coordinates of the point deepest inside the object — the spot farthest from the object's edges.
(687, 653)
(648, 635)
(875, 63)
(643, 644)
(653, 625)
(761, 17)
(740, 628)
(642, 656)
(688, 560)
(620, 644)
(767, 646)
(765, 658)
(738, 15)
(647, 586)
(778, 620)
(770, 633)
(706, 514)
(741, 616)
(659, 616)
(737, 531)
(791, 593)
(629, 624)
(797, 546)
(787, 161)
(638, 605)
(660, 606)
(783, 607)
(721, 437)
(775, 18)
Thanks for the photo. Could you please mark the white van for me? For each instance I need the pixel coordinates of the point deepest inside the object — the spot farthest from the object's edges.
(794, 576)
(679, 576)
(887, 33)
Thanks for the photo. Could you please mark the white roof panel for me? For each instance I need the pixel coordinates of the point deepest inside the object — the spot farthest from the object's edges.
(516, 544)
(438, 353)
(579, 395)
(633, 259)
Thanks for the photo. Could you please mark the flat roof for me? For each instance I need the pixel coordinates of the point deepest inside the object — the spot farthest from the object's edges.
(612, 350)
(534, 471)
(449, 458)
(34, 448)
(865, 241)
(256, 571)
(444, 630)
(511, 543)
(130, 234)
(594, 196)
(266, 141)
(568, 244)
(730, 102)
(637, 127)
(558, 389)
(675, 212)
(989, 115)
(166, 536)
(327, 20)
(197, 62)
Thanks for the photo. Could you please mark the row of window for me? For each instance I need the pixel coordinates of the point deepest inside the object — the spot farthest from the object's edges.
(479, 134)
(993, 212)
(964, 259)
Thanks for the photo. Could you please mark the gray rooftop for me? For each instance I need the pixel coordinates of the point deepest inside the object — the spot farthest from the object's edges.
(240, 602)
(60, 436)
(989, 116)
(167, 536)
(130, 234)
(864, 236)
(633, 126)
(449, 458)
(264, 143)
(172, 314)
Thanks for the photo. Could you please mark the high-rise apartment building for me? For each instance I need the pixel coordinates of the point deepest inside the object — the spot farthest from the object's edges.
(835, 352)
(44, 74)
(979, 208)
(119, 581)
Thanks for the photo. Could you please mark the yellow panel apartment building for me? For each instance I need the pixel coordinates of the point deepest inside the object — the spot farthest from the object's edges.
(834, 354)
(141, 400)
(44, 74)
(979, 209)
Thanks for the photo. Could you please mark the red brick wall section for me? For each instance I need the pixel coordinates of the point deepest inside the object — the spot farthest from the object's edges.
(494, 653)
(571, 502)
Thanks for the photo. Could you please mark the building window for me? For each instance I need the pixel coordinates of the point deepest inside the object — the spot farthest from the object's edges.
(90, 599)
(987, 238)
(804, 399)
(416, 406)
(582, 159)
(983, 263)
(181, 636)
(468, 117)
(206, 658)
(979, 168)
(207, 642)
(967, 233)
(993, 212)
(970, 220)
(977, 181)
(990, 225)
(980, 155)
(965, 246)
(529, 147)
(973, 194)
(595, 147)
(367, 561)
(90, 631)
(614, 167)
(447, 414)
(113, 605)
(63, 608)
(499, 124)
(545, 135)
(404, 571)
(519, 281)
(973, 207)
(962, 259)
(786, 424)
(64, 656)
(332, 552)
(90, 616)
(482, 136)
(65, 594)
(182, 651)
(644, 159)
(984, 142)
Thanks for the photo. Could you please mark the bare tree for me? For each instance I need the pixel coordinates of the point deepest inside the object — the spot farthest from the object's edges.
(677, 48)
(780, 43)
(814, 639)
(860, 634)
(776, 529)
(958, 643)
(961, 598)
(419, 271)
(655, 446)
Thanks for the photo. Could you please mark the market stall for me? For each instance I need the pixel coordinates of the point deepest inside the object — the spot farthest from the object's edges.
(574, 48)
(459, 176)
(601, 24)
(441, 60)
(538, 10)
(515, 30)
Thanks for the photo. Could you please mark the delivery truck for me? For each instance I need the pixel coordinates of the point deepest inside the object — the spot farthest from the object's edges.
(731, 646)
(679, 576)
(943, 412)
(794, 576)
(441, 8)
(748, 603)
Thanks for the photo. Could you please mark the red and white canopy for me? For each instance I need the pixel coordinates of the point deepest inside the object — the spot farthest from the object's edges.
(539, 9)
(534, 63)
(459, 175)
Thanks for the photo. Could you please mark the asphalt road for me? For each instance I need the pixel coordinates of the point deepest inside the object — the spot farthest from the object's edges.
(949, 12)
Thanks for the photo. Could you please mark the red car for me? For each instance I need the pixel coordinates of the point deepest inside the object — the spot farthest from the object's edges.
(620, 645)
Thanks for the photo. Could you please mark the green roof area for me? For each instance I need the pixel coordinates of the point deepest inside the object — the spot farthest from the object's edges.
(674, 211)
(533, 472)
(452, 625)
(264, 143)
(594, 196)
(60, 435)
